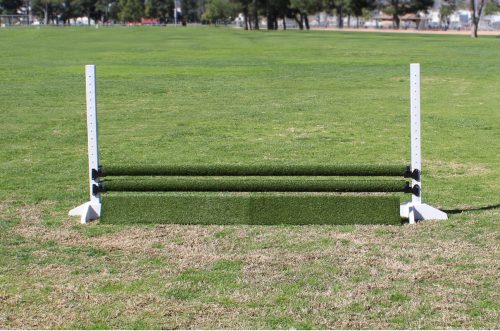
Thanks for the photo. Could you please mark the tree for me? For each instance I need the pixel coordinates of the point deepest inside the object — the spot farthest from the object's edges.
(87, 8)
(131, 10)
(151, 9)
(492, 7)
(244, 5)
(476, 8)
(10, 6)
(64, 10)
(448, 7)
(340, 7)
(300, 9)
(358, 8)
(107, 10)
(275, 9)
(219, 10)
(44, 8)
(255, 14)
(193, 9)
(162, 9)
(251, 9)
(397, 8)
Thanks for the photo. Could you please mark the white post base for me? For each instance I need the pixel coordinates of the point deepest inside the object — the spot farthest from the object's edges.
(88, 211)
(421, 211)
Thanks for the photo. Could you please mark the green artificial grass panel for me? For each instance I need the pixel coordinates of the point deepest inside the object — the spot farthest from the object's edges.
(249, 208)
(255, 170)
(245, 184)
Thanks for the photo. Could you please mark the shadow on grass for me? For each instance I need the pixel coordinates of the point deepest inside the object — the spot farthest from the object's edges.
(459, 211)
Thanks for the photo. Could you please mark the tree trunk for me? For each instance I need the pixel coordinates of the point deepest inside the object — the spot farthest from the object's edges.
(245, 17)
(306, 21)
(299, 22)
(46, 14)
(255, 15)
(284, 22)
(476, 15)
(340, 23)
(272, 21)
(396, 20)
(474, 33)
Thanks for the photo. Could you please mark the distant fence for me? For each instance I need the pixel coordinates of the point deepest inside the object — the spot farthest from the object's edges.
(14, 20)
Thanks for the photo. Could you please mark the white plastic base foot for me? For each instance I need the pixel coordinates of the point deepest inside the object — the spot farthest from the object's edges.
(87, 211)
(421, 212)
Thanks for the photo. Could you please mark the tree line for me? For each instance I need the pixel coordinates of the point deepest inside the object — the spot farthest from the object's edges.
(212, 11)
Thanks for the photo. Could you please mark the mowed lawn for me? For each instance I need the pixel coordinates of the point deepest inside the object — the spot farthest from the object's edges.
(213, 95)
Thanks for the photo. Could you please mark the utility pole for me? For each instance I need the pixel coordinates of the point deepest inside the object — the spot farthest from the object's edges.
(177, 4)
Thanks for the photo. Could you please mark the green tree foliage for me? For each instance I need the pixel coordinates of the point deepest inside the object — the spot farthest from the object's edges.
(491, 7)
(301, 8)
(193, 9)
(255, 13)
(357, 7)
(398, 8)
(131, 10)
(10, 6)
(151, 9)
(274, 9)
(218, 10)
(87, 8)
(62, 11)
(245, 10)
(341, 7)
(162, 9)
(107, 9)
(45, 8)
(447, 8)
(477, 9)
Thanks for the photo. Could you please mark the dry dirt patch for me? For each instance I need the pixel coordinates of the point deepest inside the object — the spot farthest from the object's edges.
(327, 276)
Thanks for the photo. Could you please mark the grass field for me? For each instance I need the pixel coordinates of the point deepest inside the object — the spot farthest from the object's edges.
(207, 95)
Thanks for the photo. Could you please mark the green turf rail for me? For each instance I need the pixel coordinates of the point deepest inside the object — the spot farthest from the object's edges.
(254, 170)
(258, 184)
(249, 208)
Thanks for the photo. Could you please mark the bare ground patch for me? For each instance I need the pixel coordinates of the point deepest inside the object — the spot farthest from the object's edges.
(435, 274)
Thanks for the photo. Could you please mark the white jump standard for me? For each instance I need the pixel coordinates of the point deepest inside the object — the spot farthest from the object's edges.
(91, 210)
(414, 210)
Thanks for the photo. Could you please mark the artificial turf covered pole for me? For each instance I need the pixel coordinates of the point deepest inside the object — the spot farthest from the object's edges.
(259, 184)
(255, 170)
(249, 208)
